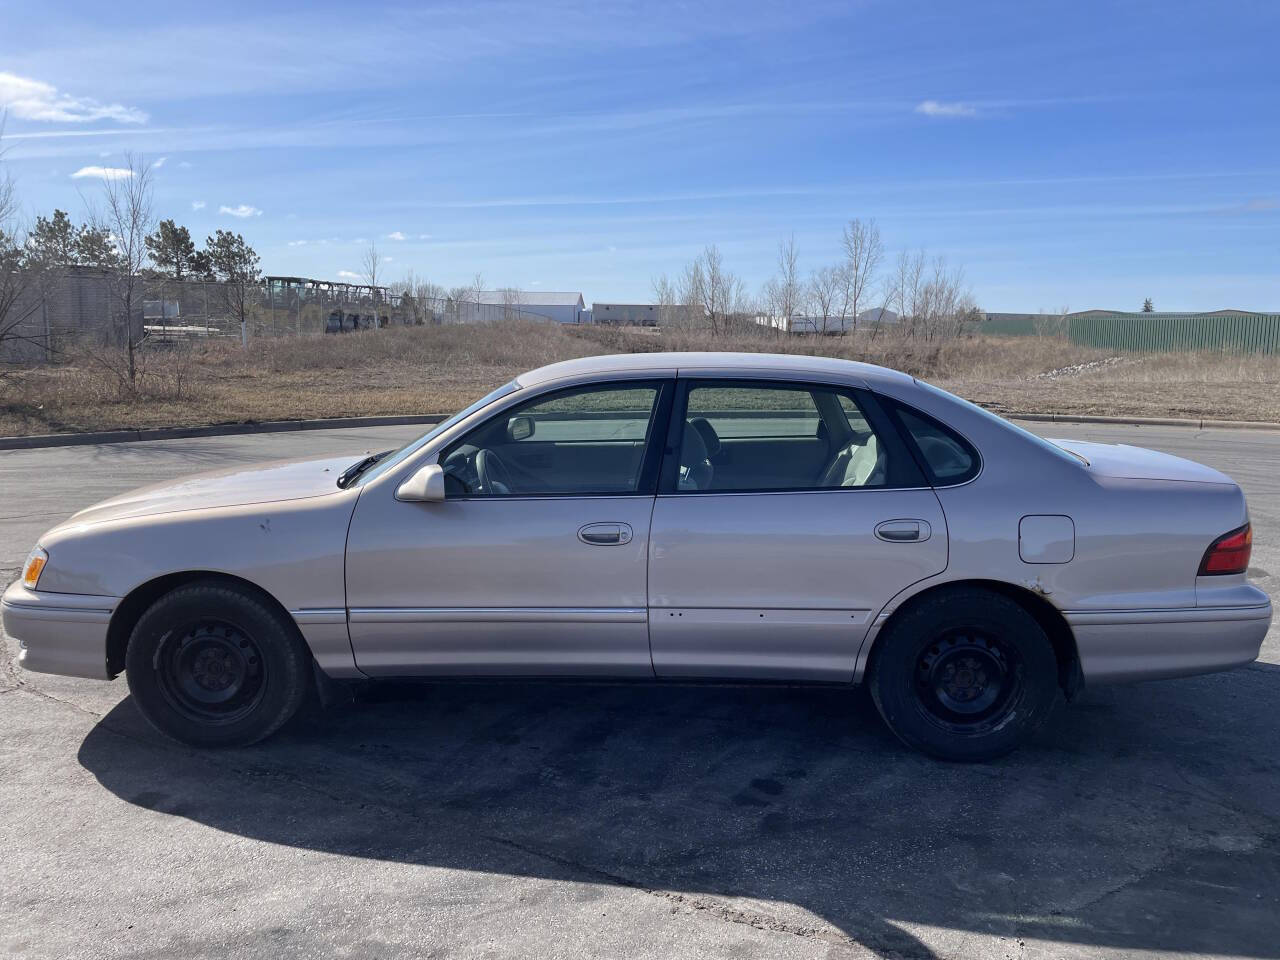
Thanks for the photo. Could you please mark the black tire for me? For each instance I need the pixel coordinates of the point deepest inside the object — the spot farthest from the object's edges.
(212, 665)
(965, 675)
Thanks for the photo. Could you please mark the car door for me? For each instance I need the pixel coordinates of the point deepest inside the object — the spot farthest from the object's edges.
(535, 562)
(790, 515)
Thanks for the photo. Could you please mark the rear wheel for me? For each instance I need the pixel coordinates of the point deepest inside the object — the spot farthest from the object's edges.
(965, 674)
(212, 665)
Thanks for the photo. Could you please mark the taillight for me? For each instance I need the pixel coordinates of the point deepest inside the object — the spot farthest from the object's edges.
(1229, 553)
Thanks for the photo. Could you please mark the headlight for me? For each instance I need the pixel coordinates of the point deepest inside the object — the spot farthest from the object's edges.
(34, 566)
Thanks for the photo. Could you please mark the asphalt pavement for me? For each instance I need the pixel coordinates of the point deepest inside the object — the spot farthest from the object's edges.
(575, 820)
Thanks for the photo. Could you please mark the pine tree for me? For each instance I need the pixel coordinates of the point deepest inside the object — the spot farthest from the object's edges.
(171, 249)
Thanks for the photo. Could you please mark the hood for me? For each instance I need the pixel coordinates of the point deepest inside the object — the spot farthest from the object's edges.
(1137, 463)
(233, 486)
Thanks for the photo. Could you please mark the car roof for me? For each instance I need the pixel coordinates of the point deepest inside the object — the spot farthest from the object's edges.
(781, 365)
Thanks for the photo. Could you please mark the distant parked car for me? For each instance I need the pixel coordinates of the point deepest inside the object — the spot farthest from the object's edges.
(664, 516)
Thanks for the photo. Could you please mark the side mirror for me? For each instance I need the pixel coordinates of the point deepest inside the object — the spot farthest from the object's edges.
(520, 428)
(425, 486)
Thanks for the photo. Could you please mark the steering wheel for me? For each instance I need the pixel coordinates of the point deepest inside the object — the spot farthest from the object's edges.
(492, 476)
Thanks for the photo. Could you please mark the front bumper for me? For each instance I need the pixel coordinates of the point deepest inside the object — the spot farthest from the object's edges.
(1116, 646)
(62, 633)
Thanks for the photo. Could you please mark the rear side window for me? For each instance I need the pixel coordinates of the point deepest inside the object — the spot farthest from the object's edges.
(948, 457)
(765, 437)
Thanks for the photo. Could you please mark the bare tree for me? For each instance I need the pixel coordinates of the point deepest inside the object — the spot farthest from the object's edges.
(1053, 323)
(707, 289)
(512, 303)
(432, 294)
(937, 297)
(667, 300)
(905, 290)
(825, 295)
(457, 297)
(126, 218)
(476, 289)
(784, 293)
(422, 298)
(16, 280)
(863, 254)
(691, 292)
(371, 270)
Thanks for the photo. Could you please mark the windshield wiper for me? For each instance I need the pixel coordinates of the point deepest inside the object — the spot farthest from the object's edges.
(349, 475)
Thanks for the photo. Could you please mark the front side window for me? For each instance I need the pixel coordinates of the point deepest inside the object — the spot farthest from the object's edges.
(772, 437)
(583, 441)
(393, 459)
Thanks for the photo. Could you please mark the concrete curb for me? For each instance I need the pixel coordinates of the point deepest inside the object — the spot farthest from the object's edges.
(217, 430)
(1200, 423)
(340, 423)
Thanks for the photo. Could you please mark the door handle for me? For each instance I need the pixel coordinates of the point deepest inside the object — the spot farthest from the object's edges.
(605, 534)
(903, 531)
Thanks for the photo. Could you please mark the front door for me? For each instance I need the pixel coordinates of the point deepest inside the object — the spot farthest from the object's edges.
(535, 563)
(787, 523)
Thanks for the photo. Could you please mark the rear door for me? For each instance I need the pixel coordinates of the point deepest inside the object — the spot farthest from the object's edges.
(788, 515)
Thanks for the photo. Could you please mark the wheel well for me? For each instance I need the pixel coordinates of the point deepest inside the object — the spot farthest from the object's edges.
(135, 604)
(1046, 614)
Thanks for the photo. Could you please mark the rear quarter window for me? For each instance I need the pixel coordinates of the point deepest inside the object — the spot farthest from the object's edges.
(948, 458)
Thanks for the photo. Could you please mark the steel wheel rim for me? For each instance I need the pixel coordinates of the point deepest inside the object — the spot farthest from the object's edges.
(211, 671)
(968, 681)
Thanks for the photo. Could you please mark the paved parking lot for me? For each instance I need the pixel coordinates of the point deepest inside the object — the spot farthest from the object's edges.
(495, 820)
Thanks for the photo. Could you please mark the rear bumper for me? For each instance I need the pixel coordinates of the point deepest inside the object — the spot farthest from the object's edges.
(1122, 645)
(63, 633)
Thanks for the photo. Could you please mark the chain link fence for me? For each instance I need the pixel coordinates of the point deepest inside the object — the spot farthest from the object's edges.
(86, 305)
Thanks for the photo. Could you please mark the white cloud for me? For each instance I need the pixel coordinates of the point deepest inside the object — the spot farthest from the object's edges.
(103, 173)
(348, 275)
(104, 153)
(29, 99)
(939, 108)
(159, 163)
(185, 164)
(242, 211)
(424, 236)
(198, 204)
(297, 243)
(396, 235)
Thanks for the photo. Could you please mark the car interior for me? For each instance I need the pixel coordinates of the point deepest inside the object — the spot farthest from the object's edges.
(776, 438)
(734, 437)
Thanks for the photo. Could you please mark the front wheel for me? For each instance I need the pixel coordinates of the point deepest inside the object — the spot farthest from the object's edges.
(212, 665)
(965, 674)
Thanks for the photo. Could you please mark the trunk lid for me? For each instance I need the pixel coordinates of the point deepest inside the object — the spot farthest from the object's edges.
(1121, 460)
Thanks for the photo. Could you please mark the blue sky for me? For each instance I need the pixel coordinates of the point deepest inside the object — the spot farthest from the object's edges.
(1081, 154)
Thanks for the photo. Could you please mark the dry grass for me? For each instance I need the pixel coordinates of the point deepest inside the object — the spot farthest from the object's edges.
(439, 369)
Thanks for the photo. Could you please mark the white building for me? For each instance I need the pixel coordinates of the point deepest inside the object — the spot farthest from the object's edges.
(560, 306)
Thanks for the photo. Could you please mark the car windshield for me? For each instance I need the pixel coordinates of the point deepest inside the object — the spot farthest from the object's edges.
(391, 461)
(1008, 425)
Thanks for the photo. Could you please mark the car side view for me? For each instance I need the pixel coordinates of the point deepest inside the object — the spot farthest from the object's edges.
(664, 517)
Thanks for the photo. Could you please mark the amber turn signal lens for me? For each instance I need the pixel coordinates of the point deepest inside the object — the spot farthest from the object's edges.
(34, 567)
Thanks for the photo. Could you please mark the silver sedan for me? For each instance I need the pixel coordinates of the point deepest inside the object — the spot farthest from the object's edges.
(664, 517)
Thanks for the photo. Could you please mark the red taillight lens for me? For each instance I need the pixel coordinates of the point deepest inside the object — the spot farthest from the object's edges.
(1229, 553)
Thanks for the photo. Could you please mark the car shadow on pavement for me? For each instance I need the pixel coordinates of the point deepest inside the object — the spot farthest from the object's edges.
(1145, 817)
